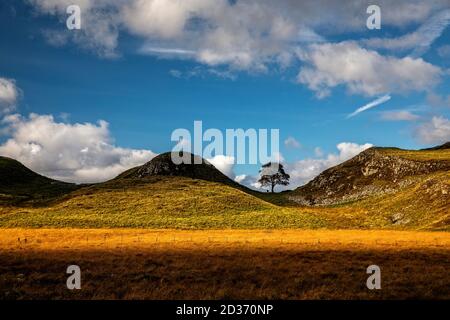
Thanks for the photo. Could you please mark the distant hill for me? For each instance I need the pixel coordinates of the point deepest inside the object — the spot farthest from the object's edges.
(20, 185)
(441, 147)
(376, 171)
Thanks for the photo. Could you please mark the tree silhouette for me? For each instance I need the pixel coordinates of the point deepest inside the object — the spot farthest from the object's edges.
(273, 174)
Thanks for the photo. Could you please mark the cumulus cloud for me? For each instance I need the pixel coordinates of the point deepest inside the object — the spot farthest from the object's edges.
(260, 35)
(80, 152)
(363, 71)
(9, 93)
(399, 115)
(245, 34)
(240, 178)
(224, 164)
(435, 131)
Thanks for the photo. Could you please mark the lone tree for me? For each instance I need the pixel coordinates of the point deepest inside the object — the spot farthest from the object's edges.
(273, 174)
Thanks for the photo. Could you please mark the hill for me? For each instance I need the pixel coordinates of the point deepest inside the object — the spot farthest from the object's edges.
(159, 202)
(20, 185)
(162, 165)
(374, 172)
(382, 188)
(441, 147)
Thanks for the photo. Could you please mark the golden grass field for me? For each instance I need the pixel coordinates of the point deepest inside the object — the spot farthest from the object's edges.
(223, 264)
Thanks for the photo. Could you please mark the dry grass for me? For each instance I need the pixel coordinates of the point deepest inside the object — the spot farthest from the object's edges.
(182, 203)
(168, 202)
(419, 155)
(218, 264)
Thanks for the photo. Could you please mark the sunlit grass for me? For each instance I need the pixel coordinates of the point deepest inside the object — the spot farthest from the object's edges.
(183, 203)
(223, 264)
(420, 155)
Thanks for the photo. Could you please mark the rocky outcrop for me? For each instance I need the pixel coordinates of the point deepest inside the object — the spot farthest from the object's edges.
(370, 173)
(162, 165)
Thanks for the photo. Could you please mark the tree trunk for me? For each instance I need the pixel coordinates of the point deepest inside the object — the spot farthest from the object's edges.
(273, 186)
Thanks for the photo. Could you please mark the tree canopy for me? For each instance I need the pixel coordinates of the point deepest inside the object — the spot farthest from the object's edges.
(273, 174)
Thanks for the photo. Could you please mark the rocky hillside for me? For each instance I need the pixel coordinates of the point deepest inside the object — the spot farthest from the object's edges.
(376, 171)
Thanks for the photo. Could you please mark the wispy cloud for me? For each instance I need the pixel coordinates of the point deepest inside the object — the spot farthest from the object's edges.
(420, 40)
(436, 130)
(291, 142)
(444, 51)
(201, 72)
(166, 51)
(399, 115)
(370, 105)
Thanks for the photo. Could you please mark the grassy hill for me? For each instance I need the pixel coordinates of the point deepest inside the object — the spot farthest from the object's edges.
(159, 202)
(374, 172)
(383, 188)
(424, 204)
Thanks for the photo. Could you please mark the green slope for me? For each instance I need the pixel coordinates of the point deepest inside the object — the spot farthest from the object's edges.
(159, 202)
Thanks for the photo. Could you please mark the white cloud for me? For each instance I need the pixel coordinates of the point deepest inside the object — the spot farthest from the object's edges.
(291, 142)
(245, 34)
(100, 22)
(166, 51)
(9, 93)
(240, 178)
(420, 40)
(435, 131)
(80, 152)
(305, 170)
(399, 115)
(370, 105)
(224, 164)
(165, 19)
(363, 71)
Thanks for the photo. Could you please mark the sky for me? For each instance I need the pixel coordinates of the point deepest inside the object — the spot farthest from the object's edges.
(85, 105)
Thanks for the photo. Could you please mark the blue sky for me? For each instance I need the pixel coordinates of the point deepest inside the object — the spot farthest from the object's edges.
(273, 68)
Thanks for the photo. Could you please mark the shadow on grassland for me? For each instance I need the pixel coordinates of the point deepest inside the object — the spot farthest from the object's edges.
(219, 272)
